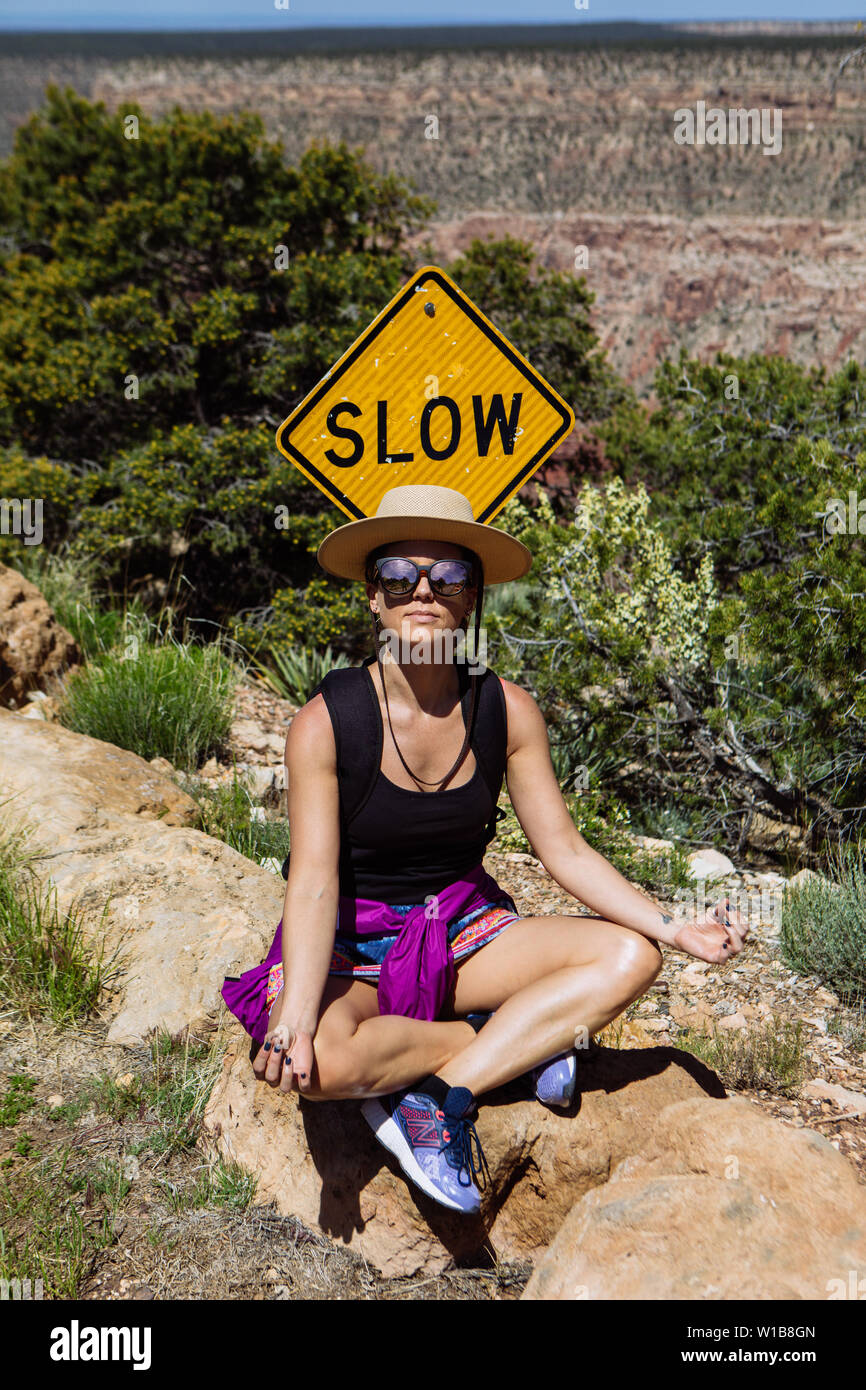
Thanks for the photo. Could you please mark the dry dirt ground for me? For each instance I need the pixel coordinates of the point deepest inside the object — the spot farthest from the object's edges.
(146, 1237)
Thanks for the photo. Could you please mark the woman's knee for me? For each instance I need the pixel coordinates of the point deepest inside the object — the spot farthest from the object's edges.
(636, 958)
(338, 1073)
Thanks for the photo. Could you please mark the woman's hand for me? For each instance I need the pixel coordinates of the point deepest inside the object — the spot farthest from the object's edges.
(715, 937)
(285, 1060)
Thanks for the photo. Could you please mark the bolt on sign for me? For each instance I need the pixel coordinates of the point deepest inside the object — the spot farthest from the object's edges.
(431, 392)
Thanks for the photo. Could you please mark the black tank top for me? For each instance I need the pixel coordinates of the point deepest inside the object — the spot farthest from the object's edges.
(398, 845)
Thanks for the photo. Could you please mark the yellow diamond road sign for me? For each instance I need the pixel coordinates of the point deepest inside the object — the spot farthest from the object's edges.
(431, 392)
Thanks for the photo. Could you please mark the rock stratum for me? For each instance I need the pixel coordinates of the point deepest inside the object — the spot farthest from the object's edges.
(705, 247)
(789, 286)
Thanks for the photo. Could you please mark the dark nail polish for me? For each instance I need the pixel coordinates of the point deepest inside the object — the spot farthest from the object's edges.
(268, 1047)
(287, 1060)
(276, 1047)
(303, 1076)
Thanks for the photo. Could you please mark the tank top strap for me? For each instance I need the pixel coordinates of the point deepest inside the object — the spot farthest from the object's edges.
(354, 714)
(490, 734)
(351, 700)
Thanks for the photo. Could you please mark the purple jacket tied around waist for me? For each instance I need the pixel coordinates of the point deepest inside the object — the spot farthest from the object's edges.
(418, 972)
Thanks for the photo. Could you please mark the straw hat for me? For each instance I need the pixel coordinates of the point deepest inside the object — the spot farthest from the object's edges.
(423, 512)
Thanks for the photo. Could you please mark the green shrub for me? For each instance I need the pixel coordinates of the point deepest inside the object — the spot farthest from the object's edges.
(770, 1057)
(157, 257)
(851, 1028)
(300, 669)
(226, 1184)
(166, 699)
(612, 618)
(47, 967)
(823, 929)
(16, 850)
(228, 814)
(44, 1234)
(17, 1099)
(182, 1078)
(750, 463)
(322, 612)
(178, 294)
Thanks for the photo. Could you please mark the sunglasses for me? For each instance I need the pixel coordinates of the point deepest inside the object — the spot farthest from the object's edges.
(399, 576)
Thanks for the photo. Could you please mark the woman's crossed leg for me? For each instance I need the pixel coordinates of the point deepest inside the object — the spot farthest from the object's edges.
(553, 982)
(357, 1052)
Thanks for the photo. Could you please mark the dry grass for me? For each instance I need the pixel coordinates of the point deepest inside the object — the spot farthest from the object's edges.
(104, 1193)
(770, 1056)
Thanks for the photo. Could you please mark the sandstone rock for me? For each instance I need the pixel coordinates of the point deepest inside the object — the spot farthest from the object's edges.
(629, 1033)
(320, 1162)
(33, 645)
(853, 1102)
(698, 1016)
(709, 863)
(184, 909)
(769, 834)
(261, 780)
(273, 865)
(246, 733)
(652, 846)
(130, 1168)
(770, 880)
(40, 706)
(161, 765)
(76, 776)
(720, 1202)
(31, 711)
(734, 1021)
(656, 1025)
(804, 877)
(693, 973)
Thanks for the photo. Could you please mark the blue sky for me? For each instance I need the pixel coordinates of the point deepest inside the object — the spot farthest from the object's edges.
(259, 14)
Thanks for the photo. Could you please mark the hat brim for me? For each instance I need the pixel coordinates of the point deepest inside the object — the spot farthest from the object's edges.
(344, 552)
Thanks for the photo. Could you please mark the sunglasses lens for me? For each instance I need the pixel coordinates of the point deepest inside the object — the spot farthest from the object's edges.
(448, 577)
(397, 576)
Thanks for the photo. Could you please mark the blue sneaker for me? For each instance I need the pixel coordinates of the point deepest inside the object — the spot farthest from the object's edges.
(554, 1081)
(433, 1146)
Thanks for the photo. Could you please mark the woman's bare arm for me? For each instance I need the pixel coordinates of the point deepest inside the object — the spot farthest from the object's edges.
(540, 807)
(312, 889)
(311, 900)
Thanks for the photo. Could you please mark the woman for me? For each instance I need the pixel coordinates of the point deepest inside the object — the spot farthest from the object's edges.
(433, 990)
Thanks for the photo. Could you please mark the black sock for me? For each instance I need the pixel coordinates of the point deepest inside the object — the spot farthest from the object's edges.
(476, 1021)
(434, 1086)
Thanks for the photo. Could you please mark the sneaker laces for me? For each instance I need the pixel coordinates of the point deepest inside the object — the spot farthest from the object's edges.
(463, 1150)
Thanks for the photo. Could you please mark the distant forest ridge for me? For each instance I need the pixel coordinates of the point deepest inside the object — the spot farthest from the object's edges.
(120, 44)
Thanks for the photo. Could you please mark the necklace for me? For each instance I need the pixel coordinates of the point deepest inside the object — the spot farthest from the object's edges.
(440, 782)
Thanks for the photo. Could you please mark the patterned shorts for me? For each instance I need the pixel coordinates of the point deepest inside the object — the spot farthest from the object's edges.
(362, 958)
